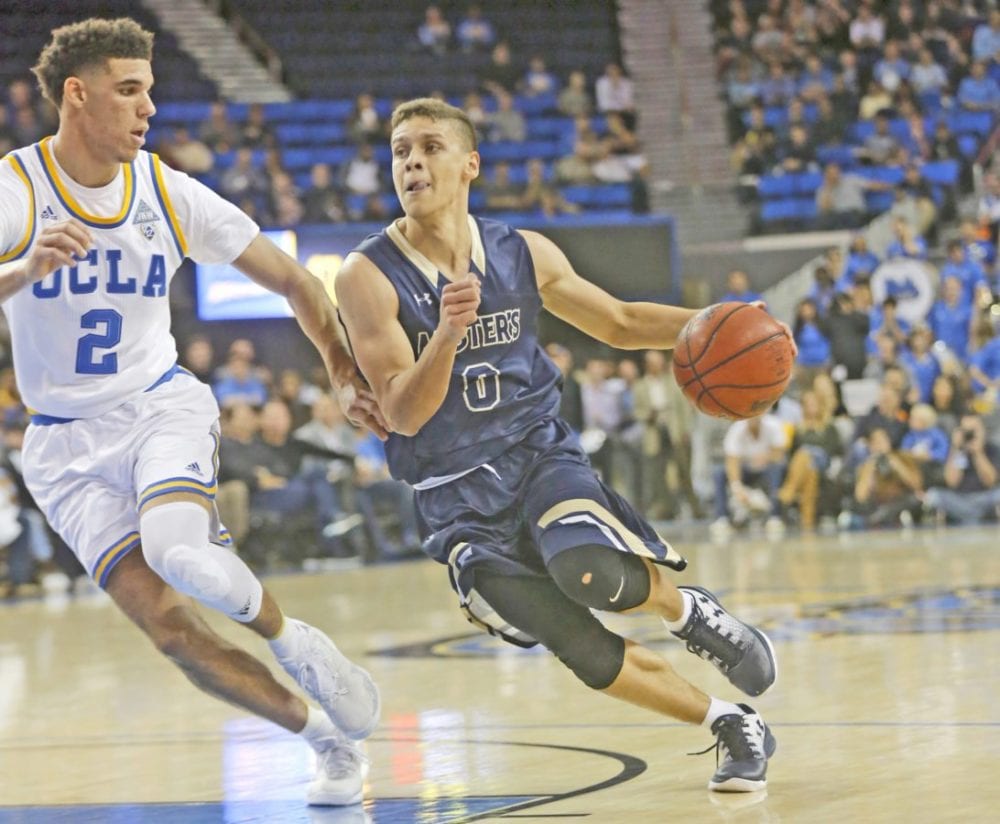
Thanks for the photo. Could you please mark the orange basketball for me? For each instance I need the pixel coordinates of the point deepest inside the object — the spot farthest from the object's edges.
(733, 360)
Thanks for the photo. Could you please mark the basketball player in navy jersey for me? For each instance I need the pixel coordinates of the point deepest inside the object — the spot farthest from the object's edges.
(441, 311)
(122, 450)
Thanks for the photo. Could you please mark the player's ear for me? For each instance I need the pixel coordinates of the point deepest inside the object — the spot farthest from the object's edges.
(472, 165)
(74, 91)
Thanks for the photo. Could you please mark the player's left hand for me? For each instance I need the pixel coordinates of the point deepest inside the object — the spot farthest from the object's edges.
(784, 327)
(360, 407)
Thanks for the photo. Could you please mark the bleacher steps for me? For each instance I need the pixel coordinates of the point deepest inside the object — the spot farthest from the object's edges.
(218, 51)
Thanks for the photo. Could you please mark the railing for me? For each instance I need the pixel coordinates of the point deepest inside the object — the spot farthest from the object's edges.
(249, 36)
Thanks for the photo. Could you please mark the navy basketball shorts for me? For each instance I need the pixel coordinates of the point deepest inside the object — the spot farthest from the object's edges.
(514, 513)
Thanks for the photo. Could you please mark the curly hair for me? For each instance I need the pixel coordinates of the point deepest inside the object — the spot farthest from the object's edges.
(85, 44)
(436, 110)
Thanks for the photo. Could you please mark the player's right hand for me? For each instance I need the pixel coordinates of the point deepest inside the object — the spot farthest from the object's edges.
(459, 304)
(61, 244)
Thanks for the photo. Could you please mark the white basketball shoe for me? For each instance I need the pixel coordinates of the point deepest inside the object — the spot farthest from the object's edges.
(341, 770)
(344, 690)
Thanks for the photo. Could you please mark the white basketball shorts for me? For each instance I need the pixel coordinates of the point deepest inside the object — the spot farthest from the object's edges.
(91, 476)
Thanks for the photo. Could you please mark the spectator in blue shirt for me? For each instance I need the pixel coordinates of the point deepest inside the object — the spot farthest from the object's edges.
(908, 244)
(921, 362)
(474, 32)
(815, 80)
(892, 69)
(977, 248)
(950, 318)
(978, 92)
(239, 385)
(928, 76)
(984, 368)
(885, 321)
(986, 39)
(966, 271)
(823, 289)
(777, 88)
(861, 262)
(813, 344)
(738, 284)
(924, 439)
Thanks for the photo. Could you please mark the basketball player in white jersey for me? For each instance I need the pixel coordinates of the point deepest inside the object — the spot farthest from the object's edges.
(122, 451)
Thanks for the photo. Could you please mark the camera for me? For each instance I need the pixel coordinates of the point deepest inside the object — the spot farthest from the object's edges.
(882, 464)
(968, 436)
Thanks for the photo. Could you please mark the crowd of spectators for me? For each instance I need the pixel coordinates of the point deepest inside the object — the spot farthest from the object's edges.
(873, 86)
(245, 160)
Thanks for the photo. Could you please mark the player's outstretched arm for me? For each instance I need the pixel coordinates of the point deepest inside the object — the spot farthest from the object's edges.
(266, 264)
(408, 389)
(56, 246)
(589, 308)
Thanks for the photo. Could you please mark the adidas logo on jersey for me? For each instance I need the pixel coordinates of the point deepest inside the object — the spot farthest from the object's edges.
(193, 467)
(48, 213)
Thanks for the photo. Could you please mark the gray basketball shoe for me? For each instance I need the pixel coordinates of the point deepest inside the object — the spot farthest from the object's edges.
(746, 743)
(739, 651)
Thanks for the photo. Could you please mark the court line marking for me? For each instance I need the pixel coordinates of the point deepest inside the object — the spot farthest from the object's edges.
(213, 738)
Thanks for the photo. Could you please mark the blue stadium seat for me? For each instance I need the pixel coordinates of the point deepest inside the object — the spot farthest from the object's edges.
(881, 174)
(964, 122)
(842, 155)
(606, 195)
(807, 183)
(968, 144)
(776, 186)
(181, 113)
(878, 201)
(941, 172)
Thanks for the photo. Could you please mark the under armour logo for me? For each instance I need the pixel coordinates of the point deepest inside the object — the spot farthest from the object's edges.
(193, 467)
(425, 297)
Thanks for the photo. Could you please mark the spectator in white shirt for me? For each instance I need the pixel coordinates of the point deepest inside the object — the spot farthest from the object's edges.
(615, 93)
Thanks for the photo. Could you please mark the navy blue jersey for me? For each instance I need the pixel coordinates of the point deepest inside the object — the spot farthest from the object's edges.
(502, 383)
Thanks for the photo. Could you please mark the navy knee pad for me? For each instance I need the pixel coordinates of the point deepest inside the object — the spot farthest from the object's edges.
(600, 577)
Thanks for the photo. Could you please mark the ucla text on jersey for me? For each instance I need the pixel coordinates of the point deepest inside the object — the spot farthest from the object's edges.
(88, 336)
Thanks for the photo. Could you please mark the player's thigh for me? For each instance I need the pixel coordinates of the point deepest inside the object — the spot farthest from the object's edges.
(567, 506)
(179, 449)
(76, 479)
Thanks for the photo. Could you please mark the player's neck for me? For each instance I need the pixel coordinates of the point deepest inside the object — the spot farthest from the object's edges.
(443, 239)
(73, 158)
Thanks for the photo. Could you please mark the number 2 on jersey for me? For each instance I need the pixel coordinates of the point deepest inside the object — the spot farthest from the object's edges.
(105, 364)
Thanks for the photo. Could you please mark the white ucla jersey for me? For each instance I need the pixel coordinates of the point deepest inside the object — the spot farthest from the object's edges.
(87, 338)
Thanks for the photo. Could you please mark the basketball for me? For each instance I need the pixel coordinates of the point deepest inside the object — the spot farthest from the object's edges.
(733, 360)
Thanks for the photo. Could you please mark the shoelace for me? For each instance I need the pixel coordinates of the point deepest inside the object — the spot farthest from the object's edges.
(308, 669)
(734, 734)
(696, 645)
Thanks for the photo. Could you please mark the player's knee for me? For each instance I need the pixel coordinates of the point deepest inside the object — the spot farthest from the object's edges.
(593, 654)
(601, 578)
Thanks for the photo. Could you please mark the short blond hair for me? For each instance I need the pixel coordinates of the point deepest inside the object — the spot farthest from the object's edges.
(436, 110)
(88, 43)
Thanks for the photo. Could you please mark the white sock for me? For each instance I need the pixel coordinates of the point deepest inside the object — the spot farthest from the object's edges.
(319, 729)
(688, 603)
(717, 709)
(286, 643)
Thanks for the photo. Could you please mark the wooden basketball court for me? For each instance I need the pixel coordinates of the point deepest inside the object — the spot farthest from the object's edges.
(886, 708)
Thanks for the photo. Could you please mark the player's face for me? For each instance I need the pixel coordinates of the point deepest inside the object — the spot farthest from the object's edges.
(432, 165)
(116, 108)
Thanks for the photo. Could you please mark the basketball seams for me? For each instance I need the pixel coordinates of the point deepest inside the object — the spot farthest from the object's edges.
(700, 375)
(711, 337)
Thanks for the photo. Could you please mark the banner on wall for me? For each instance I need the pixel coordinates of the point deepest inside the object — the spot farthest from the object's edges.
(635, 258)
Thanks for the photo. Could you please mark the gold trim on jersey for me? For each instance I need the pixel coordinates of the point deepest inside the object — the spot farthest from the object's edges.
(418, 259)
(67, 199)
(584, 509)
(29, 233)
(168, 206)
